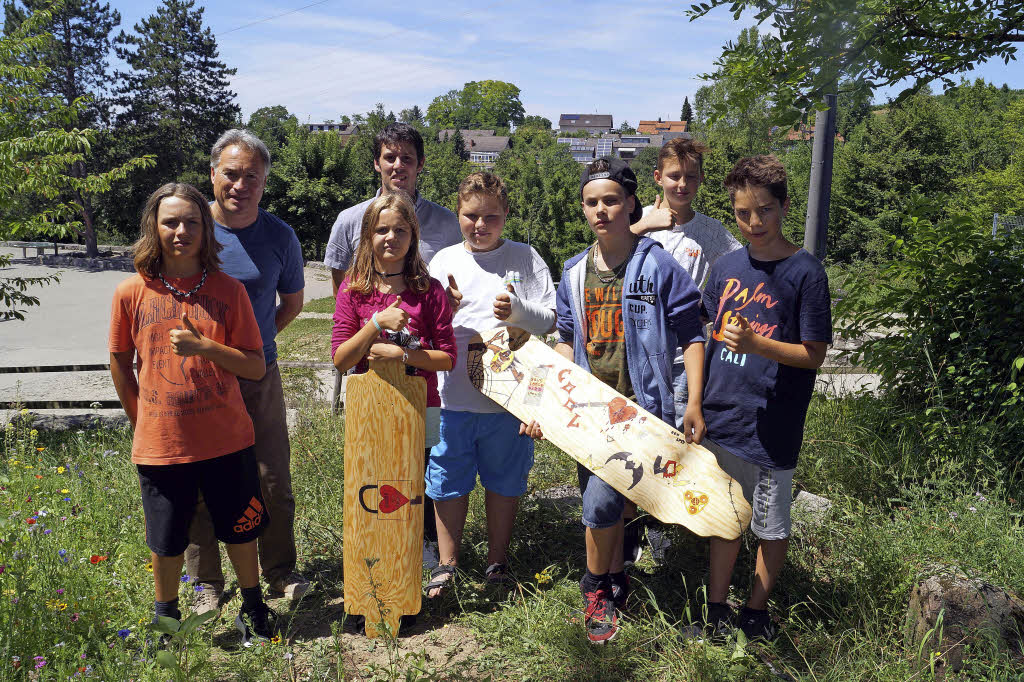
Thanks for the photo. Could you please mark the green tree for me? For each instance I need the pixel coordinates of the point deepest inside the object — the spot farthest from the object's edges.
(76, 59)
(534, 121)
(174, 102)
(869, 43)
(412, 115)
(38, 143)
(625, 129)
(273, 125)
(687, 112)
(997, 190)
(479, 104)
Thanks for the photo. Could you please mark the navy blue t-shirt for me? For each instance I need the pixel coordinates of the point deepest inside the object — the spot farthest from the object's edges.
(753, 406)
(266, 257)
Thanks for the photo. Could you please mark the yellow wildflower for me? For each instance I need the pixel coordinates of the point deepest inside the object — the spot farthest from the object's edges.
(61, 470)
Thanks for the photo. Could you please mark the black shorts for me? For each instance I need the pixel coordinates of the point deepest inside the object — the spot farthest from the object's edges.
(231, 488)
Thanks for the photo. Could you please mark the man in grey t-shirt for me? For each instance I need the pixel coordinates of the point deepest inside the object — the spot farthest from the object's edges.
(398, 158)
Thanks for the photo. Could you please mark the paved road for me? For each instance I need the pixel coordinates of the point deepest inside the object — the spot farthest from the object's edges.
(70, 327)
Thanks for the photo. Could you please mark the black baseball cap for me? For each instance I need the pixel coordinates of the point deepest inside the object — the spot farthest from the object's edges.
(619, 171)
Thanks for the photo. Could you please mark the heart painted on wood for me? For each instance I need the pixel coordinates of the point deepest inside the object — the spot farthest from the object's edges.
(390, 499)
(619, 411)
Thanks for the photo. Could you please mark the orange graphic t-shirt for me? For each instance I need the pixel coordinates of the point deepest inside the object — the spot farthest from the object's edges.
(190, 409)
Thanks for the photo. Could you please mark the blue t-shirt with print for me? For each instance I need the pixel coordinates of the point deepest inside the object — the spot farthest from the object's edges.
(753, 406)
(266, 257)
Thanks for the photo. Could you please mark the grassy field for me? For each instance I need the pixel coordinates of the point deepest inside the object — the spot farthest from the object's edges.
(76, 589)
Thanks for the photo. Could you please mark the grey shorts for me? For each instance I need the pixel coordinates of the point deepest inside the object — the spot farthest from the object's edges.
(769, 491)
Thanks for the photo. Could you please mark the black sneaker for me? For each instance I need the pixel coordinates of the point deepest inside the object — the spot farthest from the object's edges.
(600, 617)
(259, 621)
(717, 620)
(620, 592)
(757, 625)
(632, 547)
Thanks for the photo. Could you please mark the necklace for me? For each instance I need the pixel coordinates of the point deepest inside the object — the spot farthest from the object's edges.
(179, 292)
(388, 274)
(616, 271)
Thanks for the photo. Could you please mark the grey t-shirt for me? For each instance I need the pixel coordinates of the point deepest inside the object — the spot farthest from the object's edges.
(439, 228)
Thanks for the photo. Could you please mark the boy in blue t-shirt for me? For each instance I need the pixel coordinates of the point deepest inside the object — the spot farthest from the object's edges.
(771, 324)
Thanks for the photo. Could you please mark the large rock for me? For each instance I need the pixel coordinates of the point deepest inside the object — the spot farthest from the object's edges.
(974, 613)
(809, 511)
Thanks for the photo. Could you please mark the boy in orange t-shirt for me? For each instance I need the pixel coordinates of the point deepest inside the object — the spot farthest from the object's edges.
(194, 331)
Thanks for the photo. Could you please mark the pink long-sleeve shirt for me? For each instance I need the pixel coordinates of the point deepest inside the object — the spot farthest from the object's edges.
(430, 320)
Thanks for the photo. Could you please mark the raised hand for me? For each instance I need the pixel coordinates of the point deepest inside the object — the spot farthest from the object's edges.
(454, 295)
(739, 337)
(660, 217)
(188, 341)
(503, 303)
(393, 317)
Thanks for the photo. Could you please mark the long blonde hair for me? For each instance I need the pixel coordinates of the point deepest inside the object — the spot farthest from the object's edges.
(148, 255)
(362, 276)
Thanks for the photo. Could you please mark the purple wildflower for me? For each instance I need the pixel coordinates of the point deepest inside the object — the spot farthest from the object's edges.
(123, 634)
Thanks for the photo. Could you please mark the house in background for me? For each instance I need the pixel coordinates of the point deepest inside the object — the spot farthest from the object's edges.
(595, 124)
(466, 134)
(626, 147)
(483, 146)
(344, 130)
(668, 129)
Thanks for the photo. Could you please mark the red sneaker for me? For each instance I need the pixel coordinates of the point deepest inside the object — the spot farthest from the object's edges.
(600, 617)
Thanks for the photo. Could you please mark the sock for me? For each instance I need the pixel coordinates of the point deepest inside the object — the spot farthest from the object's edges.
(251, 597)
(592, 583)
(167, 608)
(747, 611)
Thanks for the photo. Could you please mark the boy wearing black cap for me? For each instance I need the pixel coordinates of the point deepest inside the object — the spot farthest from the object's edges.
(622, 305)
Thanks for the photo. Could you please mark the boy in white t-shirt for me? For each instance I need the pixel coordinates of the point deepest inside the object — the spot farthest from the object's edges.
(503, 283)
(695, 241)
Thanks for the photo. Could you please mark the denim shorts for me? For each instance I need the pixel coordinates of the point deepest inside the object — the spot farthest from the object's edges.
(769, 491)
(602, 504)
(484, 444)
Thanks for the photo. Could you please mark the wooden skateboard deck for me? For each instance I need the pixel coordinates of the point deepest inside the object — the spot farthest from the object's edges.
(384, 437)
(636, 453)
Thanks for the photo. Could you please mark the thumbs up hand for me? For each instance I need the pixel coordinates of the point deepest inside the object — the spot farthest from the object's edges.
(661, 216)
(739, 337)
(393, 317)
(454, 295)
(187, 341)
(503, 303)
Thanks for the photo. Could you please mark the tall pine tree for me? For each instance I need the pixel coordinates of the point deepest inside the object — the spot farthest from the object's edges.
(174, 101)
(687, 113)
(75, 62)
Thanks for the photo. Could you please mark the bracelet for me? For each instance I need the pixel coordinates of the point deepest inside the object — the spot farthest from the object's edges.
(376, 323)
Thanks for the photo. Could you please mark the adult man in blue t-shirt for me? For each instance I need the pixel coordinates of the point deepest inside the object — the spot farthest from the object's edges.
(262, 252)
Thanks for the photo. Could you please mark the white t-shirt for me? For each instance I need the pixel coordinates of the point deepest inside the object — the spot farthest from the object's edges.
(481, 277)
(696, 245)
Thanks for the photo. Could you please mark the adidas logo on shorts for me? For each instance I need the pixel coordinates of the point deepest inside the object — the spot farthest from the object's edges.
(251, 518)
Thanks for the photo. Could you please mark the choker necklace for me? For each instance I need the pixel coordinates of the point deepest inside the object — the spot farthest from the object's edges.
(616, 271)
(388, 274)
(179, 292)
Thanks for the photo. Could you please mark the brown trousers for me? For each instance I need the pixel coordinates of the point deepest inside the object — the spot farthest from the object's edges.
(264, 400)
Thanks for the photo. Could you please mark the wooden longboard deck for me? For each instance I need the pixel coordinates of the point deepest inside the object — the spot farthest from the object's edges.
(384, 437)
(636, 453)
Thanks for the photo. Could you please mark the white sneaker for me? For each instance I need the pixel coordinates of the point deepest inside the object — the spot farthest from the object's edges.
(292, 586)
(431, 559)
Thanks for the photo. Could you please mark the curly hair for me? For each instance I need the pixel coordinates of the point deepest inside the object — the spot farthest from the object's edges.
(758, 171)
(148, 254)
(362, 276)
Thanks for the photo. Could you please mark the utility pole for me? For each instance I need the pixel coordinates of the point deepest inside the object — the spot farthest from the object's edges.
(819, 195)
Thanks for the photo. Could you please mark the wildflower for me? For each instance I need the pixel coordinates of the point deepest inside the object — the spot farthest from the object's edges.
(61, 470)
(74, 619)
(33, 433)
(66, 499)
(47, 531)
(3, 567)
(30, 521)
(123, 634)
(276, 639)
(185, 578)
(40, 449)
(60, 590)
(38, 476)
(149, 566)
(543, 577)
(24, 412)
(64, 491)
(96, 558)
(16, 661)
(198, 587)
(40, 661)
(953, 515)
(288, 656)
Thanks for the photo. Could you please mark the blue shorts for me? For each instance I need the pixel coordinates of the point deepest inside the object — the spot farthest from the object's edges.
(769, 491)
(602, 504)
(473, 443)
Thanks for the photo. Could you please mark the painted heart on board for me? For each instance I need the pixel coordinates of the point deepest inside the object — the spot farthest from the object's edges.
(619, 411)
(390, 499)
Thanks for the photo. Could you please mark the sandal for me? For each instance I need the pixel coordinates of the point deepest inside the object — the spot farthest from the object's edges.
(497, 574)
(441, 579)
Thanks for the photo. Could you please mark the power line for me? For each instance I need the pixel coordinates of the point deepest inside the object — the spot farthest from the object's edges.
(276, 16)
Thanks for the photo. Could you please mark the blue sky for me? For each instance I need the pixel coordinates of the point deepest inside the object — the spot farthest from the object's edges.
(634, 60)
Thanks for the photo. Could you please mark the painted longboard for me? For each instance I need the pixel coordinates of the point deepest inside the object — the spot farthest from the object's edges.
(384, 437)
(636, 453)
